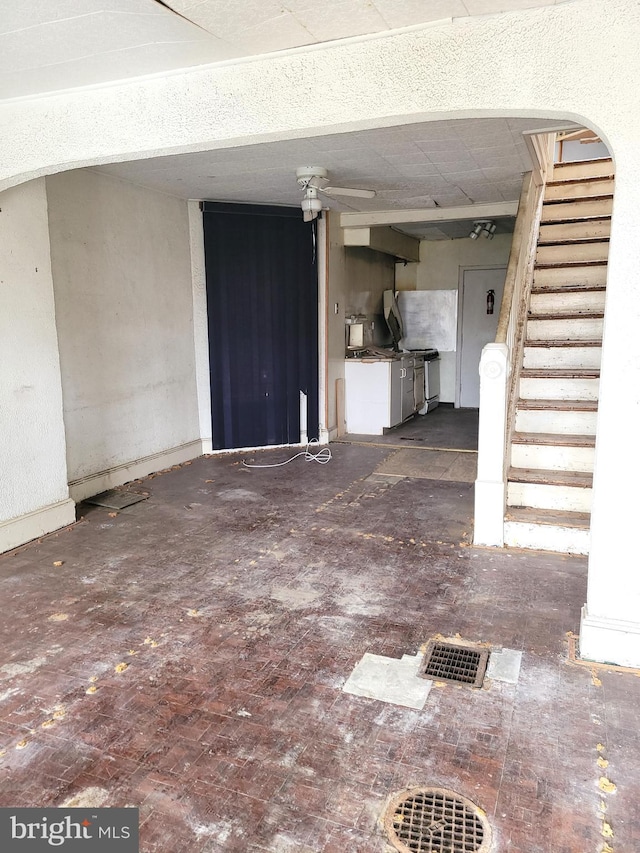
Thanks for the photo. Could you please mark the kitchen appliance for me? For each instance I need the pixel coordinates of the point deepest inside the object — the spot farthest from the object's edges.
(427, 371)
(431, 380)
(359, 333)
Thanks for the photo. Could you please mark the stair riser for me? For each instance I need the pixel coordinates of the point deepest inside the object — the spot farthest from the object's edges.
(589, 229)
(573, 253)
(546, 537)
(548, 458)
(559, 389)
(584, 169)
(570, 277)
(572, 210)
(579, 189)
(562, 357)
(551, 420)
(578, 329)
(542, 496)
(567, 303)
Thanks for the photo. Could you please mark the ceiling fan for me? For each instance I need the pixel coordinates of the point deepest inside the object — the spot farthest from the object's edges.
(314, 179)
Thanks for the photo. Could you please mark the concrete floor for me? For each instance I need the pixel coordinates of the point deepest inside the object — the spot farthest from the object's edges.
(240, 602)
(443, 428)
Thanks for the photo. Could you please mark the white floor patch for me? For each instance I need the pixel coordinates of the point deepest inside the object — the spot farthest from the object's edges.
(390, 680)
(505, 666)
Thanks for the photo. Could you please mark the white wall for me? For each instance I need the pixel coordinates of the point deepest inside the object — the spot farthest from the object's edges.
(439, 269)
(34, 498)
(121, 265)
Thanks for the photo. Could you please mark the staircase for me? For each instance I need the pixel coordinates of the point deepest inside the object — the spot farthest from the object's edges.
(553, 440)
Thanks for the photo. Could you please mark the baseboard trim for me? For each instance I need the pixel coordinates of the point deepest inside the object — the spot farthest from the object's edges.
(31, 525)
(327, 435)
(611, 641)
(93, 484)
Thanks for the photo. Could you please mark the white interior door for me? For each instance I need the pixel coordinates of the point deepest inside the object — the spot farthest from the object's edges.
(477, 328)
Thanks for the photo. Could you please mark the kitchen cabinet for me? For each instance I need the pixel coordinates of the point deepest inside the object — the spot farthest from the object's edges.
(379, 393)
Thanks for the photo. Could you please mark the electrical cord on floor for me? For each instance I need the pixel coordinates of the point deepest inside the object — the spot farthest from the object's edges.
(322, 456)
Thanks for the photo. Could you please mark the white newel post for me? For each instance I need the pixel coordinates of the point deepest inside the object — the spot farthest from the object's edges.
(490, 483)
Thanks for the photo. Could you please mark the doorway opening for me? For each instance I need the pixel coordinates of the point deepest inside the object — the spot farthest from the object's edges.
(480, 292)
(262, 298)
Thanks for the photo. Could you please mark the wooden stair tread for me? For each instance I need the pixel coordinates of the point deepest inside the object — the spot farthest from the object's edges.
(586, 179)
(568, 315)
(555, 343)
(556, 518)
(570, 264)
(571, 243)
(576, 220)
(553, 439)
(570, 288)
(567, 163)
(559, 373)
(558, 405)
(574, 241)
(544, 477)
(568, 199)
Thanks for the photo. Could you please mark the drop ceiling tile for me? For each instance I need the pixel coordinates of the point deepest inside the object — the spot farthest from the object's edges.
(492, 7)
(251, 27)
(416, 170)
(404, 13)
(344, 19)
(265, 173)
(418, 158)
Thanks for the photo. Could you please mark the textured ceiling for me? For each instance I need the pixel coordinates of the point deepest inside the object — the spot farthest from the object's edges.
(432, 164)
(261, 26)
(49, 45)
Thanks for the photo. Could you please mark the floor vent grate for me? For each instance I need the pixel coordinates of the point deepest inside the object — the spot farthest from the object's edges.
(453, 662)
(436, 820)
(115, 499)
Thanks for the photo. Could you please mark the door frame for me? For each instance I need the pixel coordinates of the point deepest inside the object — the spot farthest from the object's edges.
(461, 272)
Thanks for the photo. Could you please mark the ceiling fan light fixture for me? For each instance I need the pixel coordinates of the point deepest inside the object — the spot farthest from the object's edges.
(313, 179)
(311, 203)
(486, 227)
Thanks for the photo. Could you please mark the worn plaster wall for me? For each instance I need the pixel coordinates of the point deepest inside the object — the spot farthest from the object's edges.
(355, 280)
(34, 498)
(124, 309)
(368, 275)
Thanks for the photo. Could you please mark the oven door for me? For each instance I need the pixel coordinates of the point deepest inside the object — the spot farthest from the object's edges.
(418, 386)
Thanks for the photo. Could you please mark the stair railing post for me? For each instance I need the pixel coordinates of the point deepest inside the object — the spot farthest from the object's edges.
(490, 485)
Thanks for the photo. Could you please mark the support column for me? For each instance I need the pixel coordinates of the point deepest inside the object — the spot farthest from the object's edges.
(490, 489)
(610, 629)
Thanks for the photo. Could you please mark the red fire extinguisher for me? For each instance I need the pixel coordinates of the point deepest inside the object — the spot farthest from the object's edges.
(491, 298)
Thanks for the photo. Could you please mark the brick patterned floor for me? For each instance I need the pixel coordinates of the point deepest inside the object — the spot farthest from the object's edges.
(240, 601)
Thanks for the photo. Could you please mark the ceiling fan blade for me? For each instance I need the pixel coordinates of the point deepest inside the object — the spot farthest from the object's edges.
(348, 191)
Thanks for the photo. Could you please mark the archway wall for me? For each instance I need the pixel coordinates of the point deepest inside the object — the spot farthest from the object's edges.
(577, 60)
(555, 61)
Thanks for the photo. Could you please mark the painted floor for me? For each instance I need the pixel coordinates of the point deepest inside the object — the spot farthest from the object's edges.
(187, 655)
(442, 428)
